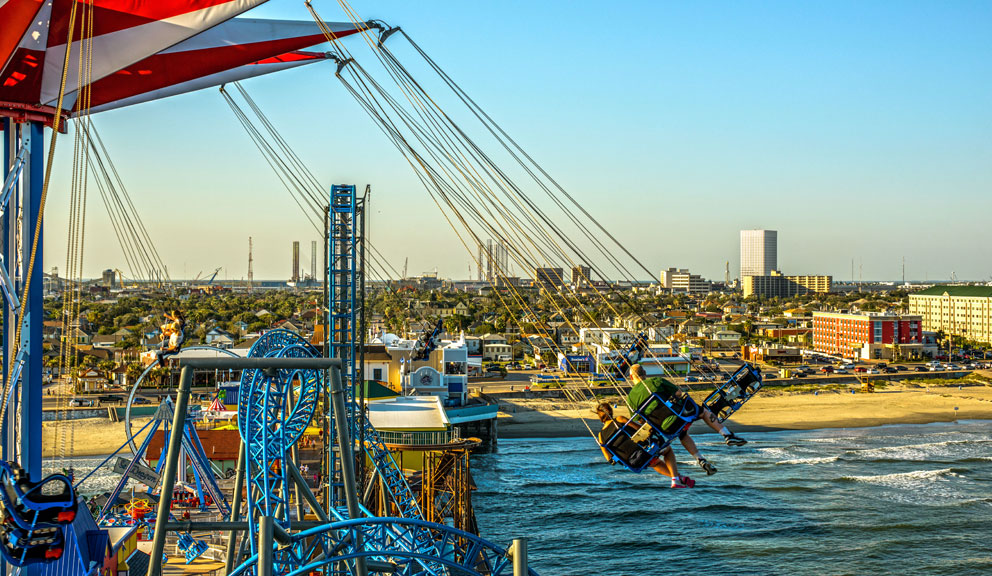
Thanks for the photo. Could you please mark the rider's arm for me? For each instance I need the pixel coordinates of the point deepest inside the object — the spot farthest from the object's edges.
(607, 455)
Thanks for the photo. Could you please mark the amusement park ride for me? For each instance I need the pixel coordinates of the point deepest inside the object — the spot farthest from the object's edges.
(136, 52)
(275, 522)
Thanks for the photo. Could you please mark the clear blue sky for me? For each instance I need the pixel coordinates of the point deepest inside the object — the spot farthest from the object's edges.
(857, 130)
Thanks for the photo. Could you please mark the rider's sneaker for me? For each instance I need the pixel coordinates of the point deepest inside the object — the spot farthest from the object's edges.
(705, 465)
(677, 482)
(688, 482)
(734, 440)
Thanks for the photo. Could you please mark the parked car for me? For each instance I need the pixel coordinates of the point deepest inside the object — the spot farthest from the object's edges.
(80, 402)
(691, 379)
(860, 369)
(141, 400)
(827, 369)
(840, 371)
(920, 368)
(901, 368)
(799, 374)
(889, 370)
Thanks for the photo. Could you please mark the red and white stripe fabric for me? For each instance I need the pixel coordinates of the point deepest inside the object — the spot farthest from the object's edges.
(138, 48)
(259, 68)
(225, 53)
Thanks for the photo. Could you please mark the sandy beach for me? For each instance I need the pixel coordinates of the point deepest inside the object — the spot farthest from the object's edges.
(778, 409)
(772, 409)
(87, 437)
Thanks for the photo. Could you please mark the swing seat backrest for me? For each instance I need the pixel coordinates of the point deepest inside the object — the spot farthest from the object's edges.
(623, 448)
(648, 400)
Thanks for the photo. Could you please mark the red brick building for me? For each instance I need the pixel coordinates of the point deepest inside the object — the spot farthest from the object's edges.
(870, 336)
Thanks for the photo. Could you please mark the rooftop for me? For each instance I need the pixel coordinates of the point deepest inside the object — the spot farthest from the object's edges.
(966, 291)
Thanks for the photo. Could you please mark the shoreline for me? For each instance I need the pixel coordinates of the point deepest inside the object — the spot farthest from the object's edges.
(745, 429)
(775, 410)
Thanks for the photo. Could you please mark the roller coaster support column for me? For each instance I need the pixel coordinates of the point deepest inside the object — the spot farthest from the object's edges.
(22, 206)
(265, 544)
(239, 484)
(347, 458)
(519, 552)
(169, 475)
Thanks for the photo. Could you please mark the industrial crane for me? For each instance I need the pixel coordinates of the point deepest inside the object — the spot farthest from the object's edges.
(212, 276)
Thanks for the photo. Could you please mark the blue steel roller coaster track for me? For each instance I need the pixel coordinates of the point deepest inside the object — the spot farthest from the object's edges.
(274, 409)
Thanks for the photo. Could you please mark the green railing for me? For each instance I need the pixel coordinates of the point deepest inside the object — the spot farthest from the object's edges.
(430, 438)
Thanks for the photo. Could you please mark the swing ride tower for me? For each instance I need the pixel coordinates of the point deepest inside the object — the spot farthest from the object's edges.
(21, 247)
(43, 83)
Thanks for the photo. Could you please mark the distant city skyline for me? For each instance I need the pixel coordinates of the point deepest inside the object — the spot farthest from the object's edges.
(857, 131)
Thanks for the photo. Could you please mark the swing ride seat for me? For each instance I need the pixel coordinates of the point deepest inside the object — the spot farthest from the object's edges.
(23, 547)
(728, 398)
(33, 504)
(634, 456)
(667, 415)
(191, 548)
(654, 424)
(31, 514)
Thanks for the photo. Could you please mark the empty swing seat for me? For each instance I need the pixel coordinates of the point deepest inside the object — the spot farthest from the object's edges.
(30, 504)
(739, 388)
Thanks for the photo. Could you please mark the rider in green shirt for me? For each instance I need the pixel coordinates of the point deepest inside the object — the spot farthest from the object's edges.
(683, 404)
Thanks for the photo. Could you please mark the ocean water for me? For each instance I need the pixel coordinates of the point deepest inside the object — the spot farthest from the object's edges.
(903, 499)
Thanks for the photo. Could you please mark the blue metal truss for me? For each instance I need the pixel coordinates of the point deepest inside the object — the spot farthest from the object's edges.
(342, 325)
(331, 549)
(274, 409)
(399, 489)
(20, 204)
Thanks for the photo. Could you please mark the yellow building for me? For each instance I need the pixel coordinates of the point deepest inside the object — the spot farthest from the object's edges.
(964, 311)
(777, 285)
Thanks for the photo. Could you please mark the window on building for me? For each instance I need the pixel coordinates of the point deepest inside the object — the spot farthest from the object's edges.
(377, 374)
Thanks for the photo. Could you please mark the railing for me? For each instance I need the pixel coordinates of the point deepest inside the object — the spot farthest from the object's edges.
(420, 438)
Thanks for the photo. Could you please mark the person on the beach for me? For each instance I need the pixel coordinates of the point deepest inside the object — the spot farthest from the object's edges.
(666, 467)
(682, 401)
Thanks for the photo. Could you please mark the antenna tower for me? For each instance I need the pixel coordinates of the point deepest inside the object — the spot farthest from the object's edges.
(251, 275)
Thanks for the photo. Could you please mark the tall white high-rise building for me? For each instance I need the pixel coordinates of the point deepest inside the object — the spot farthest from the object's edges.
(759, 252)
